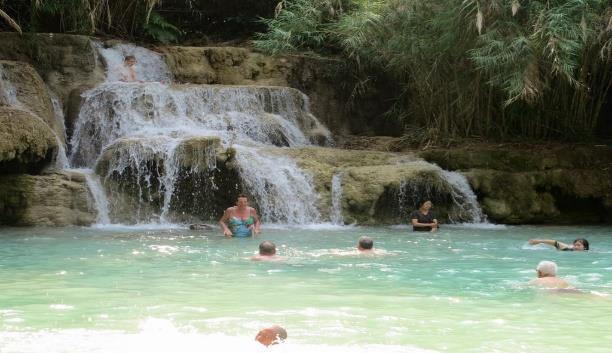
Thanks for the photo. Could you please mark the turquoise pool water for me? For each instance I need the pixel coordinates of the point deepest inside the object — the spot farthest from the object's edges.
(175, 290)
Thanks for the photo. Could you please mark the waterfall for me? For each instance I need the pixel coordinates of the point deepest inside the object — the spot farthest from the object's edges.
(137, 129)
(464, 203)
(99, 196)
(61, 160)
(150, 66)
(8, 96)
(335, 214)
(284, 193)
(463, 196)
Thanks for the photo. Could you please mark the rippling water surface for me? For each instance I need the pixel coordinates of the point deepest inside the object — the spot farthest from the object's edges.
(462, 289)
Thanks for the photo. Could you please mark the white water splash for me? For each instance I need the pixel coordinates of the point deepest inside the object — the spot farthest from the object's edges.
(162, 336)
(283, 191)
(463, 196)
(150, 66)
(8, 94)
(99, 196)
(61, 160)
(151, 120)
(336, 200)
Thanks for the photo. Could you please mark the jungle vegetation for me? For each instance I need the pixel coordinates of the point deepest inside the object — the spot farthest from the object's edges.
(493, 68)
(498, 69)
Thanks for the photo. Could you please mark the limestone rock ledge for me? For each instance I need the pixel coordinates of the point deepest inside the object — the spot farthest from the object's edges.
(377, 187)
(27, 144)
(30, 93)
(57, 199)
(561, 184)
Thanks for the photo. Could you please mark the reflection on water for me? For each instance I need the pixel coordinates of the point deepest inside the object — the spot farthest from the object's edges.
(150, 289)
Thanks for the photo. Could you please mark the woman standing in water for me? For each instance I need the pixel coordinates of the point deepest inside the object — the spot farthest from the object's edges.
(240, 220)
(423, 219)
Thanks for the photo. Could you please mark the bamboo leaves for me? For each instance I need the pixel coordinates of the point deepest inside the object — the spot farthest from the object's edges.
(474, 66)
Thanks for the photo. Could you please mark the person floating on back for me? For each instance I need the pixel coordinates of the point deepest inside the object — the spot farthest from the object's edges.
(240, 220)
(547, 277)
(579, 244)
(423, 219)
(365, 245)
(271, 335)
(267, 252)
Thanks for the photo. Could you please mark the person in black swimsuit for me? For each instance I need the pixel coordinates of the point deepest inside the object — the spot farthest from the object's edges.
(579, 244)
(423, 219)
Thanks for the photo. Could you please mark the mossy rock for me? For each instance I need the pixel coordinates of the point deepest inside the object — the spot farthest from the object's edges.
(565, 196)
(206, 180)
(58, 199)
(31, 93)
(377, 187)
(27, 144)
(521, 158)
(64, 61)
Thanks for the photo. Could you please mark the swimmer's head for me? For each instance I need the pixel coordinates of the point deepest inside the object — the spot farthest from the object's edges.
(242, 200)
(267, 248)
(365, 243)
(271, 335)
(546, 269)
(426, 205)
(581, 244)
(129, 60)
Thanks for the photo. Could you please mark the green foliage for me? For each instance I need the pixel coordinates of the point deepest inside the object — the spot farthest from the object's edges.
(538, 68)
(160, 30)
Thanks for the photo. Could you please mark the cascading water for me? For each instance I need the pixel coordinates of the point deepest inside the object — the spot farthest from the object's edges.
(150, 66)
(335, 214)
(283, 191)
(97, 191)
(61, 160)
(463, 196)
(454, 186)
(8, 96)
(143, 127)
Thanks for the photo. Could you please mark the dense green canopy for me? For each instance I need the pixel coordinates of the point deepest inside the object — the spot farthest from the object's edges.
(537, 69)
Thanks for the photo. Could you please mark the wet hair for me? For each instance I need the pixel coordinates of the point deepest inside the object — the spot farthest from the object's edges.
(281, 333)
(267, 248)
(242, 195)
(584, 242)
(129, 57)
(422, 202)
(366, 243)
(547, 268)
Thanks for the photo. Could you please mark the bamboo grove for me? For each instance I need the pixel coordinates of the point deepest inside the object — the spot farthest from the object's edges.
(493, 68)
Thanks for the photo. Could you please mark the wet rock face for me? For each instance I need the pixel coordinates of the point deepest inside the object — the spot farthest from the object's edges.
(325, 81)
(377, 187)
(29, 92)
(65, 62)
(57, 199)
(193, 183)
(27, 144)
(545, 184)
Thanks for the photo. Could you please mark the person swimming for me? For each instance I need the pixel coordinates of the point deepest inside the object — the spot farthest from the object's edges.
(267, 252)
(365, 244)
(547, 277)
(271, 335)
(579, 244)
(240, 220)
